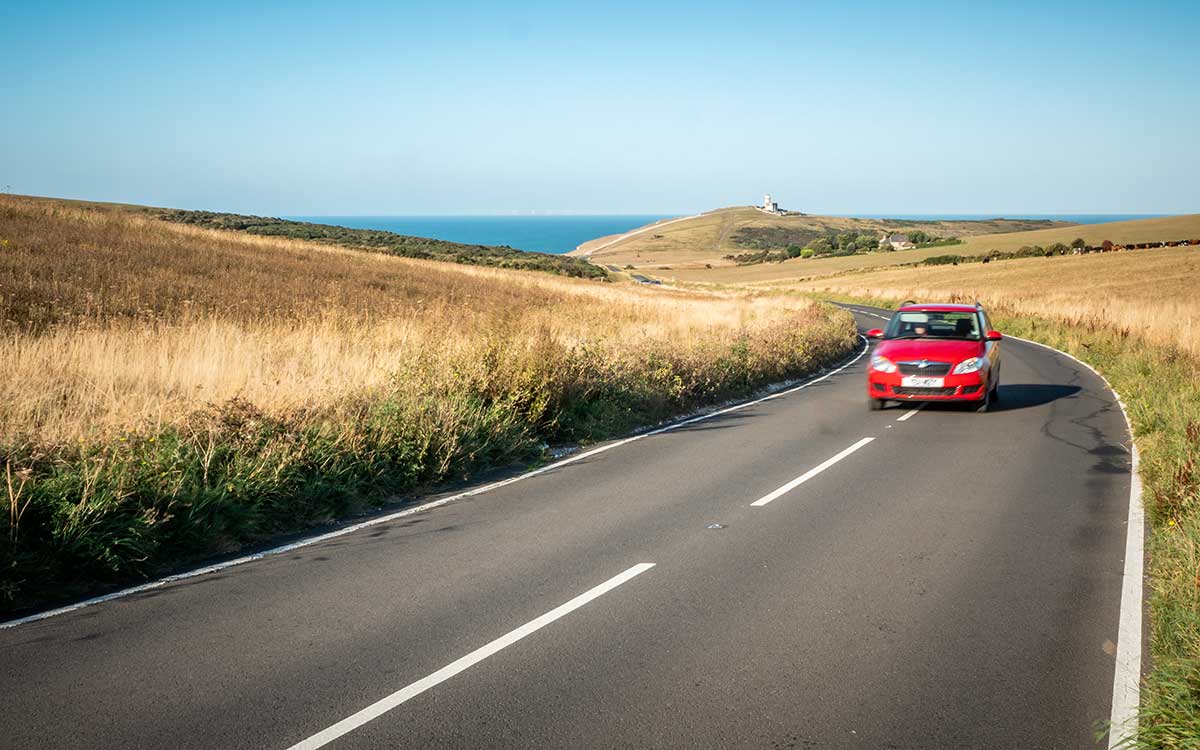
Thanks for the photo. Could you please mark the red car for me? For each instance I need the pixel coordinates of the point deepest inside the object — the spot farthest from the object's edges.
(935, 353)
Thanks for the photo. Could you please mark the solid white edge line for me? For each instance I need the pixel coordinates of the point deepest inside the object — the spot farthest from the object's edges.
(909, 414)
(1127, 675)
(382, 706)
(809, 474)
(308, 541)
(1127, 672)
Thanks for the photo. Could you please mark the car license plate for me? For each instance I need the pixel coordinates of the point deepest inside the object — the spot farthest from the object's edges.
(915, 382)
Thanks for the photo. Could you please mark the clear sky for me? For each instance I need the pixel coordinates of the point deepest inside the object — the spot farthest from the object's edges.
(292, 108)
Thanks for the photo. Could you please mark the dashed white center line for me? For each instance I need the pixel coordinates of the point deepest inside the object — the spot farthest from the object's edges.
(809, 474)
(909, 414)
(377, 709)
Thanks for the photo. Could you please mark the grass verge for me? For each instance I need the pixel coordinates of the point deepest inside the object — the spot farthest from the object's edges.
(1161, 390)
(94, 514)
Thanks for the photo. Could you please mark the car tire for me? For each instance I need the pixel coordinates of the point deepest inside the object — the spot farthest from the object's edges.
(985, 404)
(875, 404)
(996, 391)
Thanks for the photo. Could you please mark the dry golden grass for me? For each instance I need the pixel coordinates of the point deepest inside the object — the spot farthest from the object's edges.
(111, 321)
(1150, 294)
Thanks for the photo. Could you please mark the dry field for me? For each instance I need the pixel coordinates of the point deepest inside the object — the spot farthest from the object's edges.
(111, 321)
(169, 392)
(1150, 294)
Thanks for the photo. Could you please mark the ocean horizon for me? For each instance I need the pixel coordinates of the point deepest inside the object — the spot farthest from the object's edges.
(562, 233)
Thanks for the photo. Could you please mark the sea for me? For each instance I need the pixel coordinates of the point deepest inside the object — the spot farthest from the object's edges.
(543, 234)
(563, 233)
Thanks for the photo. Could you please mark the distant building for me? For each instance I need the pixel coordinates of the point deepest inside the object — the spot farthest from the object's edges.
(769, 206)
(897, 241)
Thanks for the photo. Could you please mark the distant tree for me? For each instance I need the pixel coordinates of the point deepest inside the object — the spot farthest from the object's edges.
(821, 245)
(1057, 248)
(793, 251)
(1078, 243)
(807, 252)
(1107, 245)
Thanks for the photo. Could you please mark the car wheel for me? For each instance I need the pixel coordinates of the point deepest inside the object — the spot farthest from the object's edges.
(875, 404)
(985, 404)
(996, 391)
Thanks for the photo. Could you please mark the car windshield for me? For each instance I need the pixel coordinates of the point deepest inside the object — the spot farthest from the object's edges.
(933, 324)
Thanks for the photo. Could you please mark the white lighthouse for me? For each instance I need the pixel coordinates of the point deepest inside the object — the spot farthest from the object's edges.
(769, 205)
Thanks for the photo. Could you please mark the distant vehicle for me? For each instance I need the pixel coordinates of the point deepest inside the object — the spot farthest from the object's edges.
(935, 353)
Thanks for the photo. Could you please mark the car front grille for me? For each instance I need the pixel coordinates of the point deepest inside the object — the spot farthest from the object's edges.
(932, 369)
(923, 391)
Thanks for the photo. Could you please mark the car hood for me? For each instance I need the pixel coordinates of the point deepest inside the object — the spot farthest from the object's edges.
(933, 349)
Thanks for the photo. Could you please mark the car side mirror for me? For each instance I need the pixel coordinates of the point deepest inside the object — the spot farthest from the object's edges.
(877, 333)
(993, 336)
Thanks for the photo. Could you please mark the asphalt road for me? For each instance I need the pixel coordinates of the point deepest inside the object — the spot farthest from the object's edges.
(954, 582)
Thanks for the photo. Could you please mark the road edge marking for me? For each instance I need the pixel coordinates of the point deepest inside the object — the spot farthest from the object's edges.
(776, 494)
(382, 706)
(326, 536)
(1127, 670)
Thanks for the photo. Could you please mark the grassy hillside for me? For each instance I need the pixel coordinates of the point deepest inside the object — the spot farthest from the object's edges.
(171, 391)
(706, 239)
(1133, 316)
(390, 243)
(1141, 230)
(362, 239)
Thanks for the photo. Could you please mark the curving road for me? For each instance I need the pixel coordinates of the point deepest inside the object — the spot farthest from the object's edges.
(768, 577)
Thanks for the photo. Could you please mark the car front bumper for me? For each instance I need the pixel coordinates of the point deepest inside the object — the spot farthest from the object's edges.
(968, 387)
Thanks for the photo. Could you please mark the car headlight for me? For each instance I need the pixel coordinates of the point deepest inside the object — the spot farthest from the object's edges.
(974, 364)
(883, 364)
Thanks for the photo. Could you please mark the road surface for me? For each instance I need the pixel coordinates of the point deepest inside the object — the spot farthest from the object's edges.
(801, 572)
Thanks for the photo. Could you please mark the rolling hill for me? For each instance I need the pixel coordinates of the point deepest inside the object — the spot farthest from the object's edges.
(706, 239)
(378, 241)
(690, 266)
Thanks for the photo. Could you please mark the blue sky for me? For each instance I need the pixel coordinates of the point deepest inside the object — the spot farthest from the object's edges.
(395, 108)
